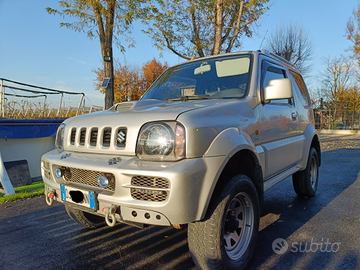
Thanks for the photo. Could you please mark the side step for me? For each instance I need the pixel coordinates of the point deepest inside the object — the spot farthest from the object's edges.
(280, 177)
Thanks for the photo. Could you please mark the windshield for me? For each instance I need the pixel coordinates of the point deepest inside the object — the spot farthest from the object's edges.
(222, 77)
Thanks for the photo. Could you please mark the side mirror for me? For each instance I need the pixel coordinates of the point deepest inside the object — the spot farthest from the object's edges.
(278, 89)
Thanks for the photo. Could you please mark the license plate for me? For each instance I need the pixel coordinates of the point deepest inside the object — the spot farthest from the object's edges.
(78, 196)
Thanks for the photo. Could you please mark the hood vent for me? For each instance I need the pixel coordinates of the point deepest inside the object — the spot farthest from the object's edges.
(124, 106)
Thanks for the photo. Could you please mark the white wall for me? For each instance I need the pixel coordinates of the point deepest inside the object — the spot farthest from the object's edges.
(29, 149)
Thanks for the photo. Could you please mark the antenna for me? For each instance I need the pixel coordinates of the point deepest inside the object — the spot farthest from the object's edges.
(263, 40)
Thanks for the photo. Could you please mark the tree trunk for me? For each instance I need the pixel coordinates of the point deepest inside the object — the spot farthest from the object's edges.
(106, 35)
(109, 73)
(218, 26)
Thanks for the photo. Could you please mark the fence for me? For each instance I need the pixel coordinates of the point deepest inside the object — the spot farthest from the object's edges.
(336, 119)
(34, 93)
(31, 111)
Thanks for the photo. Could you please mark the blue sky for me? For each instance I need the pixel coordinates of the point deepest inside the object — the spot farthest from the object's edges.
(35, 50)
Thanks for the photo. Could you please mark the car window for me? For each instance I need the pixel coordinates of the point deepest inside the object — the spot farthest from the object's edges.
(300, 86)
(274, 73)
(221, 77)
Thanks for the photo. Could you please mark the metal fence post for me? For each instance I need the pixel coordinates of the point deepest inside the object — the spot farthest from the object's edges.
(2, 107)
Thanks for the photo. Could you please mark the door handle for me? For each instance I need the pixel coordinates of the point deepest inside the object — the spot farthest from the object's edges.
(294, 116)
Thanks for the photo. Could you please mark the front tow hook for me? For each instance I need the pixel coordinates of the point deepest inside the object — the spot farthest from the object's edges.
(110, 215)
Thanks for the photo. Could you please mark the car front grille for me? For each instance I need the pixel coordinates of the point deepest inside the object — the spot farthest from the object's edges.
(90, 137)
(146, 188)
(144, 195)
(87, 177)
(146, 181)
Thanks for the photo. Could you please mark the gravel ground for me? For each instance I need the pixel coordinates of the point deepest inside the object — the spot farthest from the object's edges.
(334, 142)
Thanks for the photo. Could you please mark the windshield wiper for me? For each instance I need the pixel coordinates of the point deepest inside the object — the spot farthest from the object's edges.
(186, 98)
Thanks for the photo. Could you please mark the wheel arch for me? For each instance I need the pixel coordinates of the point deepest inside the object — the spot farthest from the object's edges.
(316, 144)
(244, 162)
(242, 158)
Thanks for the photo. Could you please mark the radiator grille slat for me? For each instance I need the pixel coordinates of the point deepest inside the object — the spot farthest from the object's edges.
(93, 136)
(107, 137)
(82, 136)
(73, 136)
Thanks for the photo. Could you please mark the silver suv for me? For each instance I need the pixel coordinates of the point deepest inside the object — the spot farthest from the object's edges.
(200, 148)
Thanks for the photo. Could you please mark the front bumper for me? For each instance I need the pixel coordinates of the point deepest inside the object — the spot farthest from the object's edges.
(184, 199)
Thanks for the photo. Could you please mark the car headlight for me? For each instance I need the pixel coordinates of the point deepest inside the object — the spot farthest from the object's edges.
(161, 141)
(59, 140)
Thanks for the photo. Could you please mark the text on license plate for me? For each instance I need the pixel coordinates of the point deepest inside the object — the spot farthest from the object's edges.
(78, 196)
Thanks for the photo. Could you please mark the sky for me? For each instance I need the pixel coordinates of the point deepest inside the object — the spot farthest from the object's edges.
(35, 50)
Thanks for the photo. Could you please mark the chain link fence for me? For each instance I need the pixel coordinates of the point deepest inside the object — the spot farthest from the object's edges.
(337, 119)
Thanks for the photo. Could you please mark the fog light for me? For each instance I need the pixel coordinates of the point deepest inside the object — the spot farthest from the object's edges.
(58, 173)
(102, 181)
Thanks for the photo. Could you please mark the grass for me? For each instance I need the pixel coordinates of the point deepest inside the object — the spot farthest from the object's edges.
(24, 192)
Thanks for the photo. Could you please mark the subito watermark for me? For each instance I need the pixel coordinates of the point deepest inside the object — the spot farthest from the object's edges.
(280, 246)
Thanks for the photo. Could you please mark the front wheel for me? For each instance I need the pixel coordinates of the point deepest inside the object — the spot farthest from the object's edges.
(226, 239)
(86, 219)
(305, 182)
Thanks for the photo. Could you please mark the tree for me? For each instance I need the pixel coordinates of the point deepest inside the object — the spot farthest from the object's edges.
(292, 43)
(129, 82)
(198, 28)
(353, 34)
(151, 71)
(100, 18)
(338, 83)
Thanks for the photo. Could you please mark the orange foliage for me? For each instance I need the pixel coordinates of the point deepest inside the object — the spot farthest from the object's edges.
(129, 83)
(151, 71)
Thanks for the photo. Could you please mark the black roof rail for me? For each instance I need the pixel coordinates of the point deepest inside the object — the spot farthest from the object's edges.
(278, 58)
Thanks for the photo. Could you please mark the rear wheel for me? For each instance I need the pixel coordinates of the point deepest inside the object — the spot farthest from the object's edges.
(86, 219)
(226, 239)
(305, 182)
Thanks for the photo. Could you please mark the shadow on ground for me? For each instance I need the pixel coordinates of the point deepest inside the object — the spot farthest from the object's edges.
(36, 236)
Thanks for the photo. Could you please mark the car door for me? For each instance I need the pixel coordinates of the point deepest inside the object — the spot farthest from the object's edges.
(279, 126)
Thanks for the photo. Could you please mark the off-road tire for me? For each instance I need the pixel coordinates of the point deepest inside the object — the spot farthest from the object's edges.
(86, 219)
(233, 213)
(305, 182)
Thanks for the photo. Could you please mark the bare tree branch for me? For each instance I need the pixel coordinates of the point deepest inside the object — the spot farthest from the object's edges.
(293, 44)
